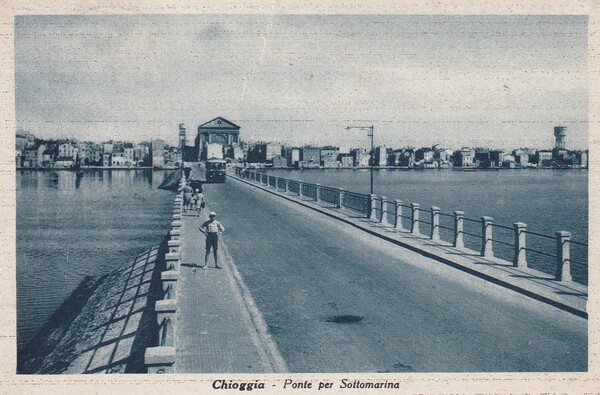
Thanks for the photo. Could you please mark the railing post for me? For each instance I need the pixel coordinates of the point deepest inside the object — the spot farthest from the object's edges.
(520, 258)
(435, 223)
(414, 229)
(166, 311)
(174, 246)
(287, 185)
(373, 208)
(458, 229)
(172, 261)
(340, 204)
(398, 223)
(169, 283)
(175, 234)
(563, 256)
(300, 188)
(487, 249)
(384, 211)
(159, 359)
(318, 193)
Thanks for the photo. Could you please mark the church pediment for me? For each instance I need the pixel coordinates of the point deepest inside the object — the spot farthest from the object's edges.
(219, 123)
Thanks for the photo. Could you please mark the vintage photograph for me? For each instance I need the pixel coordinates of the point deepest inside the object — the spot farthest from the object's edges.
(285, 193)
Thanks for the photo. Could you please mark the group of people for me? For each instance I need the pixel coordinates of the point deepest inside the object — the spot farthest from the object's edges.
(194, 200)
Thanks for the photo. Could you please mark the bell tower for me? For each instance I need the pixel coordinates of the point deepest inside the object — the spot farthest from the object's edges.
(181, 136)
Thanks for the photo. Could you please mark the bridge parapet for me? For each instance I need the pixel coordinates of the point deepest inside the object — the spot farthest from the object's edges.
(161, 359)
(379, 210)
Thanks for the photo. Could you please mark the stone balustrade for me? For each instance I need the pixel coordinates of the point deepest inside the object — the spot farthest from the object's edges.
(377, 210)
(161, 359)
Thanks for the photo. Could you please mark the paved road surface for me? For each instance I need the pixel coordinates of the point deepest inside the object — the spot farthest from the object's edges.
(338, 300)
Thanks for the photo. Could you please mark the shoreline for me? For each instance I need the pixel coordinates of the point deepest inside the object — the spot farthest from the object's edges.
(94, 168)
(404, 168)
(60, 346)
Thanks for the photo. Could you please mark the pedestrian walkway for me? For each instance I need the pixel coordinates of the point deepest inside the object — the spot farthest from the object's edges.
(218, 329)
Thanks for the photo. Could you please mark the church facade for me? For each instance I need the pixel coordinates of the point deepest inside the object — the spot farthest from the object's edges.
(217, 131)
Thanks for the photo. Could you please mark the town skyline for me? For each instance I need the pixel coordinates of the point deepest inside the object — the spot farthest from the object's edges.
(172, 141)
(302, 79)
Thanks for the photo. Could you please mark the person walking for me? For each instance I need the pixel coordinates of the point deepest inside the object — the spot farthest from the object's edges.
(213, 228)
(187, 196)
(198, 201)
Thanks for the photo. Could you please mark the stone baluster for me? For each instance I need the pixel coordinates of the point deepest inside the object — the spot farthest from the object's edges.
(414, 219)
(487, 249)
(520, 256)
(458, 229)
(398, 220)
(384, 211)
(563, 256)
(373, 208)
(435, 223)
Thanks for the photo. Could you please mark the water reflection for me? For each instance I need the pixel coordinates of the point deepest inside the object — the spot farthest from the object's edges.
(100, 219)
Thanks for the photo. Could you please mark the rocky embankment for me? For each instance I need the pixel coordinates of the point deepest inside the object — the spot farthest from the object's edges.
(104, 326)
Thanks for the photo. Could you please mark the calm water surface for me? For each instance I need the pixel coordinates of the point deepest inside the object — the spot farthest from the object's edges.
(546, 200)
(69, 228)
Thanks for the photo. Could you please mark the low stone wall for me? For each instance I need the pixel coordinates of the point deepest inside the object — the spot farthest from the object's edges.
(161, 358)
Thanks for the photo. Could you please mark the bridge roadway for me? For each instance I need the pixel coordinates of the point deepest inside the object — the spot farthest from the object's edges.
(338, 300)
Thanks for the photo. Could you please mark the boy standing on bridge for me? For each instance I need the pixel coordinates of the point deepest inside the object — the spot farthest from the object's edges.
(213, 227)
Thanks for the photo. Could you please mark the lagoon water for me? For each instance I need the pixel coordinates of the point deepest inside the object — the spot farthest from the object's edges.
(70, 227)
(546, 200)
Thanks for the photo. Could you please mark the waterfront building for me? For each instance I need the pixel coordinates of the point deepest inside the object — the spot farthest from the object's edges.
(129, 155)
(543, 158)
(279, 162)
(117, 157)
(329, 154)
(273, 150)
(346, 159)
(67, 150)
(496, 157)
(361, 156)
(172, 156)
(83, 151)
(31, 154)
(158, 153)
(522, 156)
(583, 158)
(442, 154)
(380, 156)
(464, 157)
(481, 157)
(311, 157)
(48, 158)
(293, 156)
(424, 154)
(238, 152)
(404, 157)
(216, 131)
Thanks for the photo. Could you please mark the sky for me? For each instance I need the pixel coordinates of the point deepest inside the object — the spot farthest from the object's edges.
(479, 81)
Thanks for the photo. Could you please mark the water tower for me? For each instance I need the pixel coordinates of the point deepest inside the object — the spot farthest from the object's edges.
(181, 135)
(560, 132)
